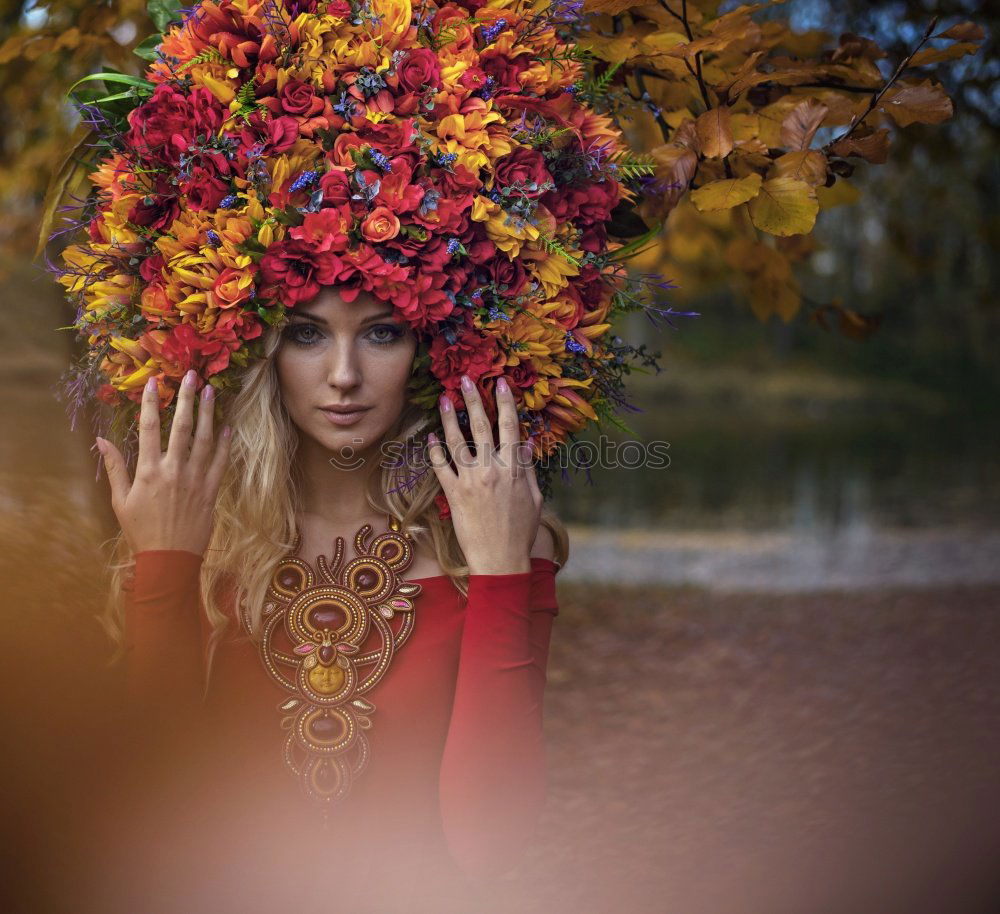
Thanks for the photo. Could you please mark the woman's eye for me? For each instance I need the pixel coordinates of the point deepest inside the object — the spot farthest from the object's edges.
(294, 332)
(385, 333)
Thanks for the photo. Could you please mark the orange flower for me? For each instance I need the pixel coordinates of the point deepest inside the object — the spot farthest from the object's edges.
(381, 225)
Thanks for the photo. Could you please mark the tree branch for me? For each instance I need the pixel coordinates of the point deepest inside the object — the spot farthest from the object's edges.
(875, 98)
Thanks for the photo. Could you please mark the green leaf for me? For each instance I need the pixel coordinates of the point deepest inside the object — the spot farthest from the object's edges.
(163, 12)
(632, 248)
(136, 81)
(146, 49)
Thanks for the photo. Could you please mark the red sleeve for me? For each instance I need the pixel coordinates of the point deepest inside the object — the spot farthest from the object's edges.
(163, 668)
(493, 773)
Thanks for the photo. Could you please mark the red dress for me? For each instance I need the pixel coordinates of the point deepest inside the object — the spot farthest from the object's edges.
(457, 776)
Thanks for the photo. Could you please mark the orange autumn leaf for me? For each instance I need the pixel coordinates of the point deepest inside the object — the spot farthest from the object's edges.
(715, 133)
(924, 103)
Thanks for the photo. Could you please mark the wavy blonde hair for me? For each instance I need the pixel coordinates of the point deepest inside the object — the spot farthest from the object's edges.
(260, 495)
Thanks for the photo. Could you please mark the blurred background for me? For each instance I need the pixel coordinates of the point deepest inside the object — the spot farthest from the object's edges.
(775, 677)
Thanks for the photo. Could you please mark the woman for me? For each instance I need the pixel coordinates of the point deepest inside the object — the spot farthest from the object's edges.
(455, 769)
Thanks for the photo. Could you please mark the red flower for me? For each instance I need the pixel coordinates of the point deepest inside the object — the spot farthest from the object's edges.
(419, 70)
(325, 230)
(525, 168)
(204, 190)
(473, 353)
(381, 224)
(299, 270)
(161, 210)
(444, 509)
(106, 393)
(164, 125)
(336, 186)
(508, 275)
(299, 99)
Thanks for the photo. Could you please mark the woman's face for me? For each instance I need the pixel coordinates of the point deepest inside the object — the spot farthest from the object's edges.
(336, 354)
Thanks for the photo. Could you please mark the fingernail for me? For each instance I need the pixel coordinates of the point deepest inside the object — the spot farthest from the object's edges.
(189, 378)
(207, 392)
(226, 431)
(151, 383)
(432, 438)
(466, 383)
(502, 385)
(445, 403)
(100, 445)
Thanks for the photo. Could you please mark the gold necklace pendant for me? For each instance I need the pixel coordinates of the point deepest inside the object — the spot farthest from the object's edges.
(327, 615)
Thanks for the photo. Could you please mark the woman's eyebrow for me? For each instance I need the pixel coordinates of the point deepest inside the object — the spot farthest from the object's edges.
(319, 320)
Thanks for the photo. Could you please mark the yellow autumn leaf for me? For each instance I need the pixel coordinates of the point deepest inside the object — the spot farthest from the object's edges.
(784, 206)
(727, 193)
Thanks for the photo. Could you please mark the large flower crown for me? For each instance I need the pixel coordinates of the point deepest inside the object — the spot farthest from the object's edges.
(441, 157)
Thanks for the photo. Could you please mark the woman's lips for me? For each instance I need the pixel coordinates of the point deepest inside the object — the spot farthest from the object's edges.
(344, 418)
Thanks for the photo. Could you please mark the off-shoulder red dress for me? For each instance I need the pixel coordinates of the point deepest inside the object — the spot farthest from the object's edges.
(457, 776)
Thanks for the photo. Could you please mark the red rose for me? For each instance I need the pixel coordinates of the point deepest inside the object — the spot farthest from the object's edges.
(161, 210)
(204, 190)
(336, 186)
(420, 69)
(299, 99)
(508, 275)
(504, 70)
(523, 375)
(525, 169)
(594, 239)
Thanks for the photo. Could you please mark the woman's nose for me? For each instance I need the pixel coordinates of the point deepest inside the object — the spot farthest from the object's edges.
(345, 366)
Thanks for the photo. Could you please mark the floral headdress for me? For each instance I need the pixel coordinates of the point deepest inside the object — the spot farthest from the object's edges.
(439, 156)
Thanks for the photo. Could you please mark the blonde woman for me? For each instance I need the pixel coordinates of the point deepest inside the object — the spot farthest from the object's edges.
(423, 730)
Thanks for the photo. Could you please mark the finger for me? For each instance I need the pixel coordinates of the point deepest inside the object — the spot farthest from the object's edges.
(509, 426)
(179, 443)
(202, 447)
(114, 466)
(217, 469)
(150, 453)
(528, 467)
(439, 461)
(460, 451)
(482, 430)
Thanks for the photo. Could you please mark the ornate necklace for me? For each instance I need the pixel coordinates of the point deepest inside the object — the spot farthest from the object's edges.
(327, 616)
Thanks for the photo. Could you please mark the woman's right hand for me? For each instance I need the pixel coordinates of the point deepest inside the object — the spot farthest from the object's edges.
(171, 503)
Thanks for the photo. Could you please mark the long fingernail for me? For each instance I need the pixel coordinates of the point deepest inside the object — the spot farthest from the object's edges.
(207, 392)
(466, 383)
(502, 385)
(445, 403)
(100, 444)
(151, 383)
(189, 378)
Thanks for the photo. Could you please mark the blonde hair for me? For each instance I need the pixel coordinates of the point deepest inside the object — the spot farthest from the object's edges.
(254, 524)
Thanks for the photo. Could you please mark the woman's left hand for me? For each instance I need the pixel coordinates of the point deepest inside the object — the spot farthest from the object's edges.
(495, 501)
